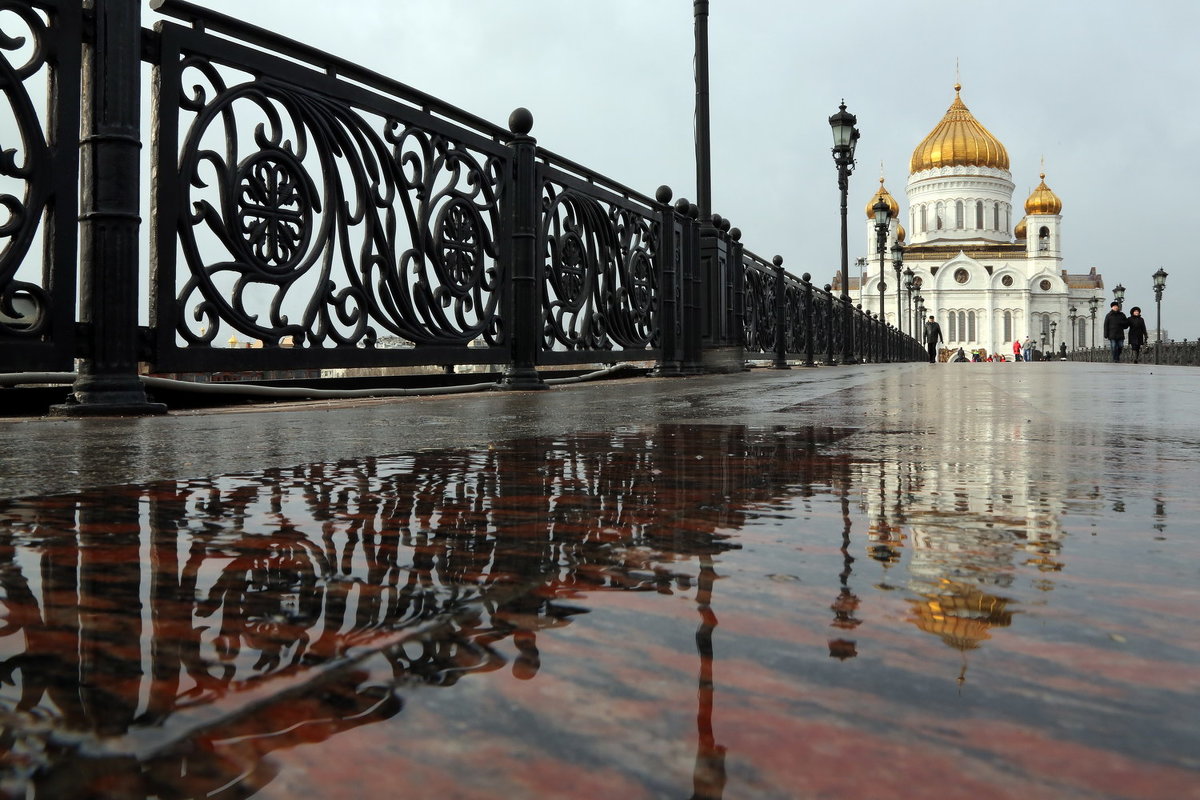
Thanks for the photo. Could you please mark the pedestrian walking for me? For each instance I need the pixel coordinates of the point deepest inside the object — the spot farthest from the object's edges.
(1027, 349)
(1016, 350)
(933, 335)
(1137, 332)
(1115, 323)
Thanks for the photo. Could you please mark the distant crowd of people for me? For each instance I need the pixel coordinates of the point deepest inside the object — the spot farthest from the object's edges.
(1116, 323)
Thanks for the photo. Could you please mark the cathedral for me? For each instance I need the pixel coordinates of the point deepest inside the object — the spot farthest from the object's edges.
(989, 282)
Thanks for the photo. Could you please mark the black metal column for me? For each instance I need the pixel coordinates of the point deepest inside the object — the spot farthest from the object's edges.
(110, 145)
(703, 147)
(780, 316)
(524, 308)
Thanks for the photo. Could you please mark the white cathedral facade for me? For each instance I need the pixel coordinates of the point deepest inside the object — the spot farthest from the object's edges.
(987, 281)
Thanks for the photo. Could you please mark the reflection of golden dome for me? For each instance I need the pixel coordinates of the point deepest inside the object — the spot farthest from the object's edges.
(960, 615)
(1019, 231)
(893, 206)
(959, 140)
(1043, 201)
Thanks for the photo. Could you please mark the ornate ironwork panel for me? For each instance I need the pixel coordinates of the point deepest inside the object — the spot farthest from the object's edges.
(796, 322)
(294, 208)
(600, 274)
(40, 46)
(759, 319)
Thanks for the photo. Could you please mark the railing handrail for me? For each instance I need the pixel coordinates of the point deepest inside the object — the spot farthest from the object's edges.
(203, 18)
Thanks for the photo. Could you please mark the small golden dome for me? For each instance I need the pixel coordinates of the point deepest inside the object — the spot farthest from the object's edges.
(893, 206)
(900, 234)
(1019, 231)
(958, 140)
(1043, 201)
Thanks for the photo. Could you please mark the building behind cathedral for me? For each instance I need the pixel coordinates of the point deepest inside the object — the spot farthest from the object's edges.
(987, 281)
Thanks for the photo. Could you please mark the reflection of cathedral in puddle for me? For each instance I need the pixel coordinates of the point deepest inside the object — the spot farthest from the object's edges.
(967, 530)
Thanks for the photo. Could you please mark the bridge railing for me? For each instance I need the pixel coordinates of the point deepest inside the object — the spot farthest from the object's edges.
(1182, 354)
(308, 214)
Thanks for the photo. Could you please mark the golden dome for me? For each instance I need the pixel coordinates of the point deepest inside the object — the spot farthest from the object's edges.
(1019, 231)
(1043, 201)
(959, 140)
(900, 234)
(893, 206)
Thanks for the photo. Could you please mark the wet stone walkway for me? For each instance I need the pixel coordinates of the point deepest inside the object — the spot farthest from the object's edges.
(962, 581)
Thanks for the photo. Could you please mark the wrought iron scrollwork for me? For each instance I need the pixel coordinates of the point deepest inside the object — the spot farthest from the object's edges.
(305, 217)
(759, 320)
(601, 286)
(25, 173)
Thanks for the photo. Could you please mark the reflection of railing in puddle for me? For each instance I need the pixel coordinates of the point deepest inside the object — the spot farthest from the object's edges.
(251, 613)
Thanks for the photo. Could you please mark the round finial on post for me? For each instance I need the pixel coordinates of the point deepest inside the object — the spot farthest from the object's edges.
(520, 121)
(716, 221)
(777, 261)
(693, 211)
(828, 287)
(724, 225)
(682, 205)
(664, 194)
(806, 277)
(735, 234)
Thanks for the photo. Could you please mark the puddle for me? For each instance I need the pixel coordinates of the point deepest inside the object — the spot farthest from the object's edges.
(671, 611)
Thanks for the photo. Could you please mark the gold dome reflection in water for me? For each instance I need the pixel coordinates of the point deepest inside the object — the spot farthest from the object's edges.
(959, 140)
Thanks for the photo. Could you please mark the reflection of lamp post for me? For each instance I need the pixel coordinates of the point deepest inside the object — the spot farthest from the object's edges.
(1073, 316)
(1053, 332)
(1093, 306)
(1043, 339)
(1119, 294)
(898, 264)
(1160, 283)
(845, 138)
(882, 215)
(908, 287)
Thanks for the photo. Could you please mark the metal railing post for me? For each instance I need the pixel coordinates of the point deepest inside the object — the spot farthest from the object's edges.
(523, 308)
(109, 220)
(809, 314)
(780, 316)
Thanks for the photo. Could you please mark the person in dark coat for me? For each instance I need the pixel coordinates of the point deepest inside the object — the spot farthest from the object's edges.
(1137, 332)
(933, 335)
(1115, 323)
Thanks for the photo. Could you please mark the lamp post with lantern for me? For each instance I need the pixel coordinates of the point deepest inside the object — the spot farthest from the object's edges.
(845, 139)
(897, 265)
(909, 285)
(1074, 315)
(1093, 307)
(1160, 283)
(1119, 294)
(1053, 335)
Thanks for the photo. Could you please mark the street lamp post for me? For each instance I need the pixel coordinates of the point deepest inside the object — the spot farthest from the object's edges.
(897, 265)
(845, 139)
(1093, 307)
(1119, 294)
(1053, 335)
(1160, 283)
(1074, 339)
(882, 215)
(908, 287)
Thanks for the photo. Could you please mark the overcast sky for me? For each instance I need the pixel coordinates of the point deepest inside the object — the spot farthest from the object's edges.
(1103, 90)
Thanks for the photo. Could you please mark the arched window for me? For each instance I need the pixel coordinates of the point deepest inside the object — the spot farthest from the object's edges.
(958, 215)
(996, 216)
(971, 326)
(1007, 218)
(953, 337)
(979, 214)
(1044, 238)
(1008, 333)
(924, 221)
(962, 326)
(941, 215)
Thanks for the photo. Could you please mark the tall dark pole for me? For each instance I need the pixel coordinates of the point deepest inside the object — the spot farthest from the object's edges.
(845, 139)
(109, 217)
(703, 148)
(1160, 283)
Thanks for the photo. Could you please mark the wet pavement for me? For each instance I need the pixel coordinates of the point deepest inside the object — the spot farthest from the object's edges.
(973, 580)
